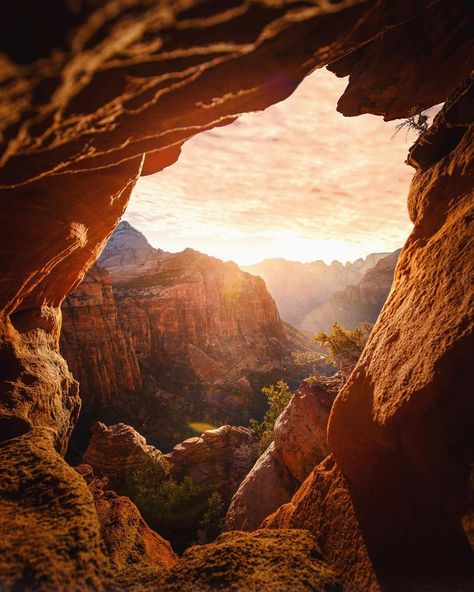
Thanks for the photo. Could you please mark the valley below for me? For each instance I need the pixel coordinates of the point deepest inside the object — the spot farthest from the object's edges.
(174, 352)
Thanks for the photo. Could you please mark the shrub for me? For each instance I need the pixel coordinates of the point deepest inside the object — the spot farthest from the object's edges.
(278, 396)
(344, 346)
(417, 122)
(212, 523)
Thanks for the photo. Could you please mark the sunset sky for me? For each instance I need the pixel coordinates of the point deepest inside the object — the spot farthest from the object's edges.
(298, 181)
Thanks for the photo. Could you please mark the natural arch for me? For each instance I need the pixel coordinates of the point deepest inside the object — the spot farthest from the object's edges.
(110, 83)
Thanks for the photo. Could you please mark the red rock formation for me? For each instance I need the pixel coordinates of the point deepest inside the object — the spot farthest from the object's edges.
(402, 427)
(200, 328)
(323, 505)
(381, 77)
(122, 455)
(129, 542)
(267, 486)
(210, 460)
(96, 345)
(299, 444)
(300, 431)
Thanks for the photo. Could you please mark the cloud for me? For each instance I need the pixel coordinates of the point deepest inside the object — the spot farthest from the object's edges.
(296, 178)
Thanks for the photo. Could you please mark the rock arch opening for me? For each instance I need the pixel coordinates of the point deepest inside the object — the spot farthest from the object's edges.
(118, 80)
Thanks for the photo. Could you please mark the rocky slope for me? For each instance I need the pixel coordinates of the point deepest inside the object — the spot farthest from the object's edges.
(356, 303)
(161, 339)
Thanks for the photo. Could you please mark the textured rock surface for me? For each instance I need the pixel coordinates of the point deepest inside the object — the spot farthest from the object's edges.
(356, 303)
(299, 287)
(121, 454)
(262, 561)
(97, 347)
(323, 505)
(128, 541)
(49, 528)
(401, 430)
(381, 76)
(299, 444)
(267, 486)
(300, 431)
(210, 459)
(95, 85)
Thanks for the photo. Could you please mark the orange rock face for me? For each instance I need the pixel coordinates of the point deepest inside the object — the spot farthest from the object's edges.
(300, 431)
(299, 443)
(119, 452)
(128, 540)
(323, 505)
(98, 348)
(402, 427)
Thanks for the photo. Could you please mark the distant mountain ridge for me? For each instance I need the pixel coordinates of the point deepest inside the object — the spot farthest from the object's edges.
(356, 303)
(298, 288)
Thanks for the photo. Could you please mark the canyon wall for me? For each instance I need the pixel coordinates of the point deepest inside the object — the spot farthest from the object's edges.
(299, 288)
(162, 340)
(357, 303)
(89, 90)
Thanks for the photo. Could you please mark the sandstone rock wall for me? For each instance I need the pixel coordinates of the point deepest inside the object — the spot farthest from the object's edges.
(299, 443)
(96, 345)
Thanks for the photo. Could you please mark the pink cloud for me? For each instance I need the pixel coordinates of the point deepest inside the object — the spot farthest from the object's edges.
(298, 173)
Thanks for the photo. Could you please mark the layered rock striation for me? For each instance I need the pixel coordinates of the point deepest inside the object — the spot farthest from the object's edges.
(161, 339)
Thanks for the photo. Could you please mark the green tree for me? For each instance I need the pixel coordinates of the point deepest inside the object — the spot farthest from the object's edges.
(212, 523)
(167, 503)
(344, 346)
(278, 396)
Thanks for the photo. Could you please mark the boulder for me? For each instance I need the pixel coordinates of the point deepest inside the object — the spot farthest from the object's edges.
(299, 444)
(122, 455)
(210, 460)
(300, 431)
(261, 561)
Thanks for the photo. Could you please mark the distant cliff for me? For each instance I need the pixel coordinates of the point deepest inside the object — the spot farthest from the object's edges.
(356, 303)
(301, 288)
(161, 339)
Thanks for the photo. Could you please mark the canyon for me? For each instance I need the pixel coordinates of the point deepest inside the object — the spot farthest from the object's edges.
(97, 94)
(300, 288)
(163, 340)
